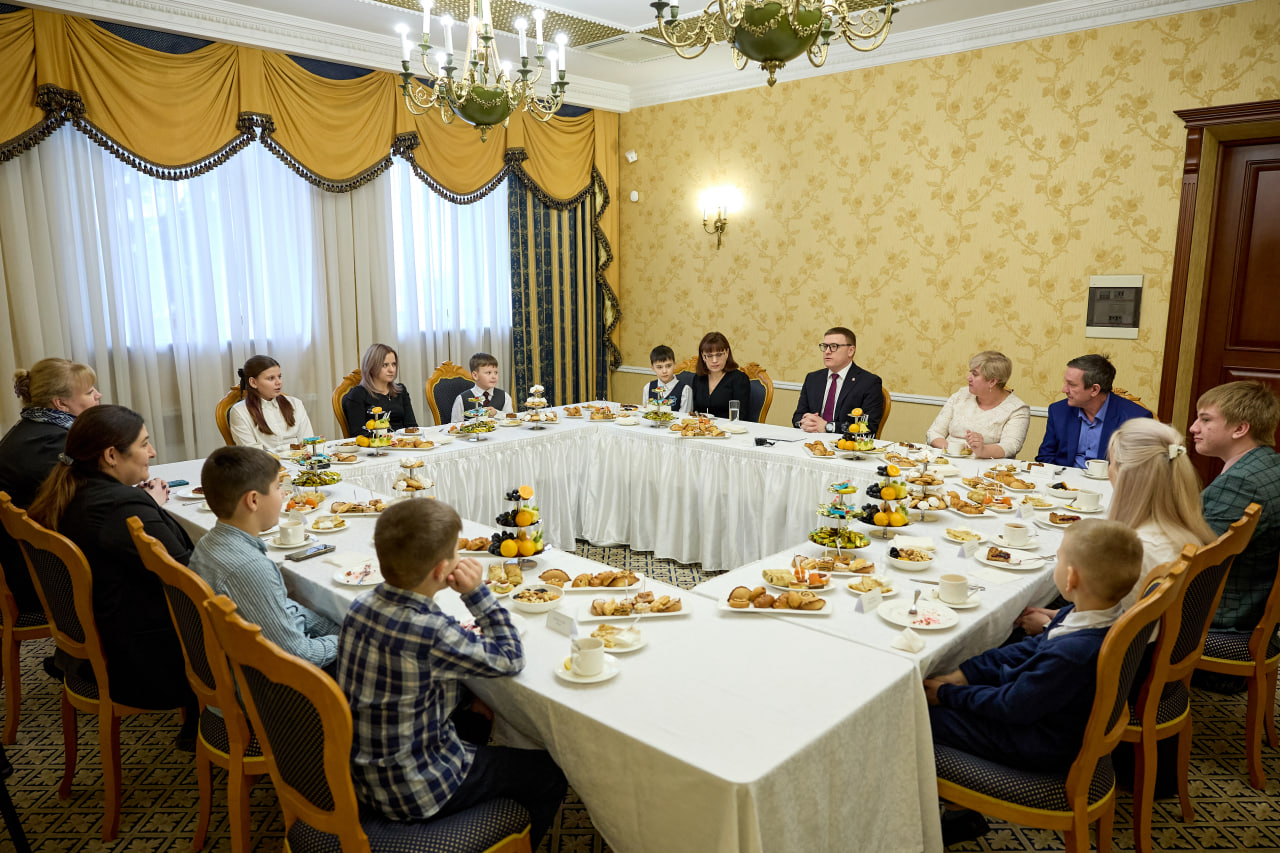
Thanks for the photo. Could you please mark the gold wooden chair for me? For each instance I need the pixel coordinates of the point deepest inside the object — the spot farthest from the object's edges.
(444, 385)
(223, 739)
(1069, 802)
(304, 724)
(1163, 706)
(348, 382)
(17, 627)
(884, 415)
(65, 586)
(222, 413)
(1254, 657)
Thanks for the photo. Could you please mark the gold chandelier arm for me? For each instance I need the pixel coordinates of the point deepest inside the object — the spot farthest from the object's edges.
(739, 60)
(866, 30)
(817, 54)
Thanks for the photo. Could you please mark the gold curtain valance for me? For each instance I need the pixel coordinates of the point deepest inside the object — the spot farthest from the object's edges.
(173, 115)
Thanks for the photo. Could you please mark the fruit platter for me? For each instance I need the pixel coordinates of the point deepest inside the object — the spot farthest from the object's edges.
(522, 536)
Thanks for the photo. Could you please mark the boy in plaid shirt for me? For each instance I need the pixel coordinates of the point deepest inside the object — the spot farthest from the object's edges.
(401, 661)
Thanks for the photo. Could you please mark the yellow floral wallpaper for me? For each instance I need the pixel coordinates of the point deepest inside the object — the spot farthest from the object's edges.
(938, 207)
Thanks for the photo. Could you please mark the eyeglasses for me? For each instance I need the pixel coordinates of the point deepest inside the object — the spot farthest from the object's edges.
(832, 347)
(716, 354)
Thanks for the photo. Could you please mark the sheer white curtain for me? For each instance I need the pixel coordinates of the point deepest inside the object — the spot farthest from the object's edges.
(165, 287)
(450, 292)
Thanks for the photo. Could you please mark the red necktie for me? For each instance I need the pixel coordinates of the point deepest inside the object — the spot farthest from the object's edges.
(829, 408)
(486, 399)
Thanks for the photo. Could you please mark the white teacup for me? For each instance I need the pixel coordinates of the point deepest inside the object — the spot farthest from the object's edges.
(587, 657)
(1017, 534)
(1086, 500)
(291, 532)
(953, 589)
(1096, 468)
(955, 446)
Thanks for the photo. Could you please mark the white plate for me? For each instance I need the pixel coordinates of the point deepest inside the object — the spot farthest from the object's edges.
(611, 669)
(890, 594)
(979, 540)
(510, 422)
(968, 455)
(1043, 521)
(824, 590)
(587, 616)
(1000, 508)
(189, 494)
(635, 587)
(1009, 488)
(340, 462)
(1096, 477)
(273, 544)
(306, 510)
(999, 541)
(626, 650)
(975, 600)
(346, 577)
(1073, 508)
(816, 456)
(499, 594)
(311, 528)
(1053, 503)
(955, 511)
(627, 421)
(1030, 562)
(932, 615)
(825, 611)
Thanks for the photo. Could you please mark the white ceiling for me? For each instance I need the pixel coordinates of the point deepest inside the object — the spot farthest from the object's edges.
(362, 32)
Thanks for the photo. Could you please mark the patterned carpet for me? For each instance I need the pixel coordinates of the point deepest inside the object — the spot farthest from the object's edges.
(160, 793)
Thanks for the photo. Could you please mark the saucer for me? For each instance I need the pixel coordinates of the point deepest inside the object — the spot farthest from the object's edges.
(274, 543)
(1030, 545)
(1074, 508)
(611, 669)
(973, 601)
(1096, 477)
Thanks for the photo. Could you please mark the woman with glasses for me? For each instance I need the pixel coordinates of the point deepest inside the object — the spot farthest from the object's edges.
(988, 417)
(717, 380)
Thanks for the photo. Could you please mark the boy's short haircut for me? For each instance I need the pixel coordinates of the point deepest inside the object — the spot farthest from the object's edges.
(662, 352)
(230, 473)
(413, 537)
(1107, 554)
(1246, 402)
(482, 359)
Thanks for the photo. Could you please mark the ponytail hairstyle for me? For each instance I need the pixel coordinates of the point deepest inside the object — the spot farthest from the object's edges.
(92, 433)
(253, 368)
(49, 379)
(1155, 481)
(372, 363)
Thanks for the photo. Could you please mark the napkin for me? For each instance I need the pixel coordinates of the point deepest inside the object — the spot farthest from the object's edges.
(734, 429)
(908, 641)
(924, 543)
(349, 560)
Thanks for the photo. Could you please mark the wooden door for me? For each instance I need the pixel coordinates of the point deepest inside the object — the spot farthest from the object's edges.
(1240, 317)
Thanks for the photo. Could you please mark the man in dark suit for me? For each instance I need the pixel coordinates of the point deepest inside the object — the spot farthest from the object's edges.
(830, 395)
(1080, 426)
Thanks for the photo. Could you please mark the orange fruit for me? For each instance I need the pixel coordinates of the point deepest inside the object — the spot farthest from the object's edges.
(376, 410)
(526, 492)
(509, 548)
(527, 548)
(857, 413)
(524, 518)
(897, 519)
(888, 493)
(893, 470)
(881, 519)
(312, 499)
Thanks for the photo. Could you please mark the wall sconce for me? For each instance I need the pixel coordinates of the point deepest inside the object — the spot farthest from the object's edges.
(718, 203)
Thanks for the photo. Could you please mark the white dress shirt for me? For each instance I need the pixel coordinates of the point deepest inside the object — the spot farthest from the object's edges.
(245, 432)
(684, 405)
(459, 405)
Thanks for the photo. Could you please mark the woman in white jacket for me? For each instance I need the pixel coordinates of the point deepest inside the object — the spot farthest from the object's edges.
(266, 418)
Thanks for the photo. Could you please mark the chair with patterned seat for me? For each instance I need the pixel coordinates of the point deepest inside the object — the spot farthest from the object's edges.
(64, 583)
(443, 387)
(348, 382)
(1255, 657)
(223, 737)
(222, 413)
(1162, 708)
(304, 724)
(757, 408)
(1072, 800)
(17, 628)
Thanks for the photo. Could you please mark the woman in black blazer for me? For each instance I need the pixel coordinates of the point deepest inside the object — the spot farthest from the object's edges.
(101, 480)
(52, 392)
(718, 379)
(378, 387)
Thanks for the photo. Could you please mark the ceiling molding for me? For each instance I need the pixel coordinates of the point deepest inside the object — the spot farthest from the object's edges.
(1051, 19)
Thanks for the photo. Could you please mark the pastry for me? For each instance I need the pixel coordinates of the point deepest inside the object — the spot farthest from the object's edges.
(763, 602)
(556, 577)
(740, 597)
(582, 580)
(1062, 518)
(995, 555)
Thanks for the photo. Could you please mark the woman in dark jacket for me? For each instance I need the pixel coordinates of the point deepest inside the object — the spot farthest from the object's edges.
(718, 379)
(52, 392)
(103, 478)
(378, 387)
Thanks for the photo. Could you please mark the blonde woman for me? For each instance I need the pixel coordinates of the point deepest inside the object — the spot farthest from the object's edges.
(1156, 491)
(986, 415)
(379, 370)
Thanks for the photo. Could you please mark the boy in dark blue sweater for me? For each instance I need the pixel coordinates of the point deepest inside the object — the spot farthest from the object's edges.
(1027, 705)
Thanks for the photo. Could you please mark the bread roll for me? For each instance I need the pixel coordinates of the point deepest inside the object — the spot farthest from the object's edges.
(763, 601)
(757, 592)
(811, 601)
(740, 597)
(582, 580)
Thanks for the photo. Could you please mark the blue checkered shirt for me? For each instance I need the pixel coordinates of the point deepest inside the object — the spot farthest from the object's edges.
(401, 660)
(1254, 478)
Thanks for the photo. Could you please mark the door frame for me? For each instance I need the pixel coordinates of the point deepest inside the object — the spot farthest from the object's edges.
(1207, 128)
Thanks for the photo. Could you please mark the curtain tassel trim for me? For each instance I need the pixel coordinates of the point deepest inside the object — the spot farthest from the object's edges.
(407, 143)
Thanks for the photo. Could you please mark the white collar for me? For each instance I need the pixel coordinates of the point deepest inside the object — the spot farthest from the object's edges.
(1078, 620)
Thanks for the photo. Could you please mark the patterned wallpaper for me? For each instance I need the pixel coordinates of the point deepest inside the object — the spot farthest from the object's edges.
(938, 207)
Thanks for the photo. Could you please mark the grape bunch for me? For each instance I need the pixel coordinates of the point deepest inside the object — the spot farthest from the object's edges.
(513, 495)
(873, 491)
(508, 518)
(869, 510)
(495, 545)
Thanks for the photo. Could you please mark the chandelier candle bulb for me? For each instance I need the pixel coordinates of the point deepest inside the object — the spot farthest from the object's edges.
(405, 48)
(522, 27)
(562, 41)
(447, 23)
(538, 15)
(426, 21)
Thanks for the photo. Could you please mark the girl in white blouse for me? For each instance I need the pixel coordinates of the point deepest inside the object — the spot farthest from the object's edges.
(988, 417)
(266, 418)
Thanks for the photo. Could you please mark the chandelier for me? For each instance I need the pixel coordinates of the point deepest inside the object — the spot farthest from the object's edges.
(481, 90)
(774, 32)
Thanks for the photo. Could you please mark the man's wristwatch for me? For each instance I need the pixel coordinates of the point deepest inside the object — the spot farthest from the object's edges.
(831, 427)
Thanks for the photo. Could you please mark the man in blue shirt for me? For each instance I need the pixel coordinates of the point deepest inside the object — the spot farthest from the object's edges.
(1080, 426)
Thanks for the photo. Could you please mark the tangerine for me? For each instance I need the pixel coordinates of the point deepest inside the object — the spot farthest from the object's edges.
(524, 518)
(897, 519)
(888, 493)
(527, 548)
(377, 410)
(526, 492)
(509, 548)
(881, 519)
(893, 470)
(857, 413)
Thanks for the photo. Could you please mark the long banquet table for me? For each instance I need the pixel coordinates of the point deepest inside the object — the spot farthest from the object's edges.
(728, 731)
